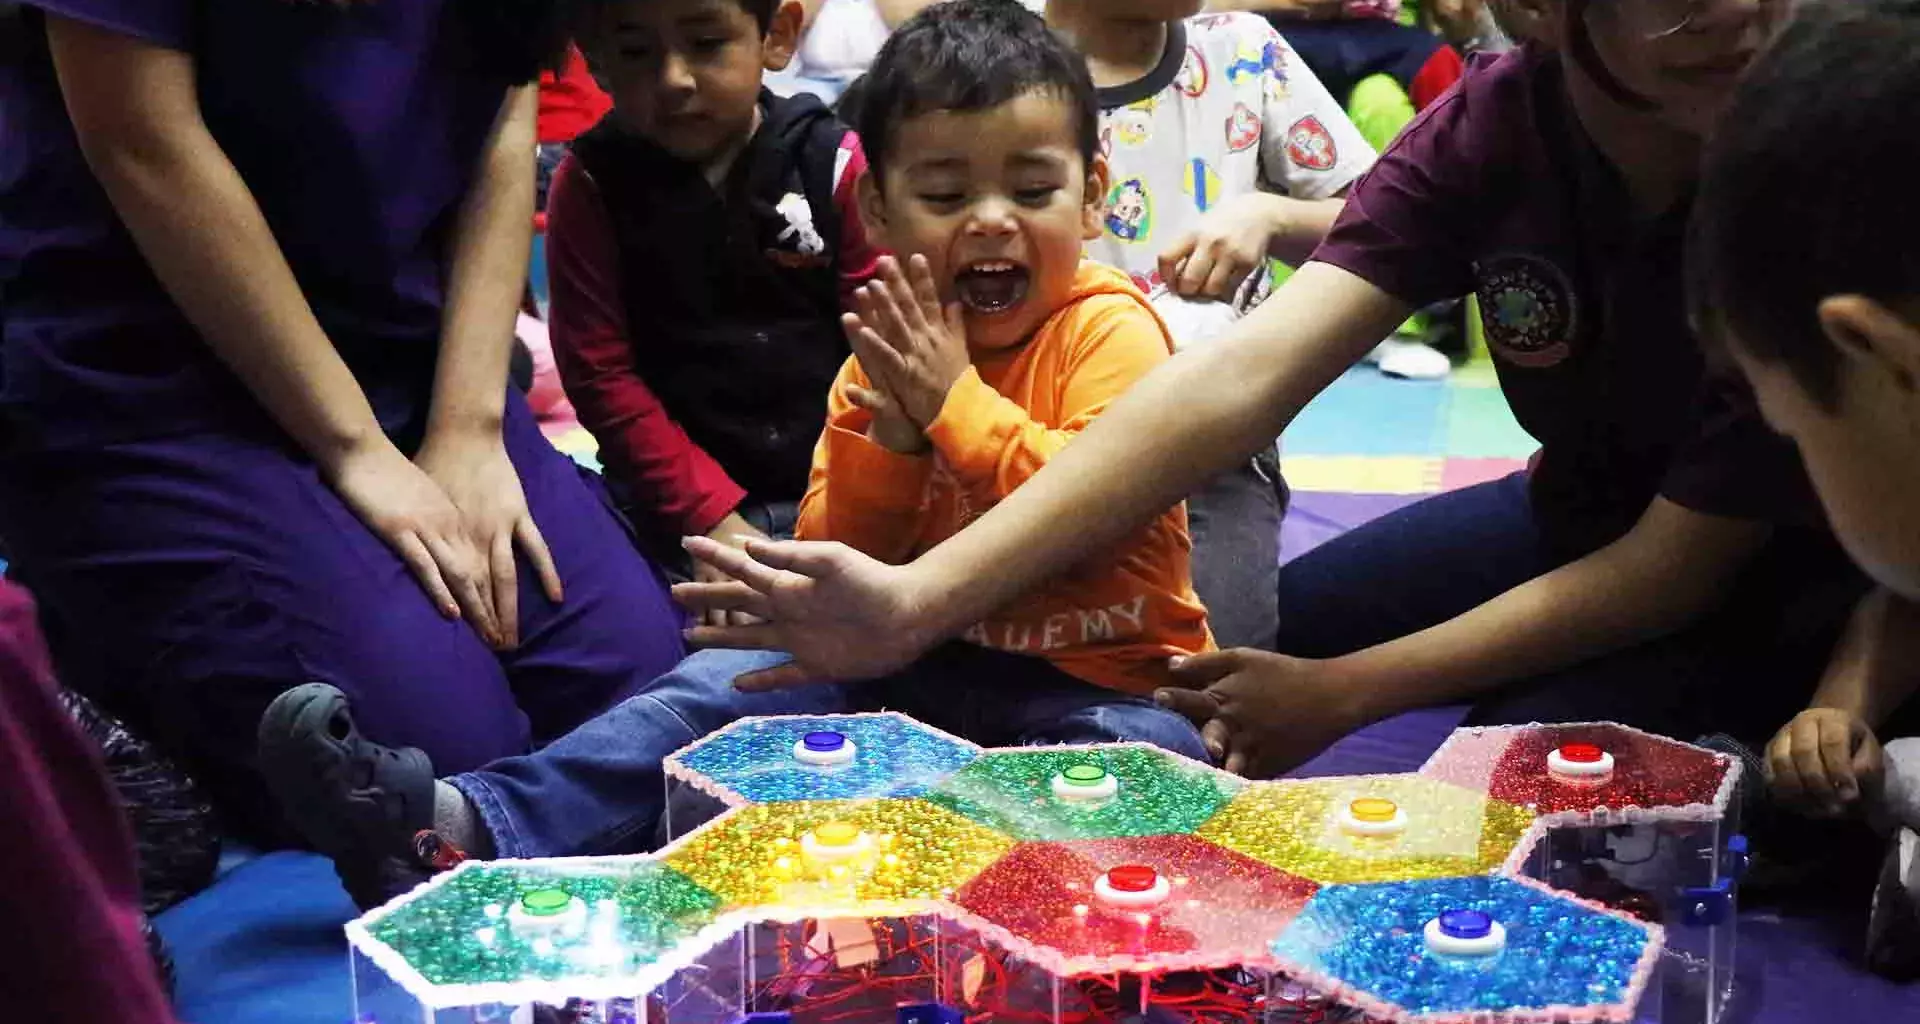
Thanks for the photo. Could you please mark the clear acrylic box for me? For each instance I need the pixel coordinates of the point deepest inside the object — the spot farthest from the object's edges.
(852, 868)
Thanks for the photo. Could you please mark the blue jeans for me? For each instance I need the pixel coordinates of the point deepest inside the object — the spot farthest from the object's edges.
(1743, 669)
(601, 789)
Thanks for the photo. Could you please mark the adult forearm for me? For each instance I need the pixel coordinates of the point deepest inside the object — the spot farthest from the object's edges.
(1672, 568)
(1876, 666)
(200, 229)
(488, 276)
(1301, 224)
(1199, 414)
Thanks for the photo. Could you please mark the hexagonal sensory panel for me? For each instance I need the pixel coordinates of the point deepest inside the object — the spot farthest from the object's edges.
(1089, 906)
(1059, 793)
(1564, 773)
(484, 925)
(835, 853)
(1077, 884)
(1427, 948)
(1371, 828)
(820, 757)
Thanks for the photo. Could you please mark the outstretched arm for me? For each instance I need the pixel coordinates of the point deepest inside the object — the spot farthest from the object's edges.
(1199, 414)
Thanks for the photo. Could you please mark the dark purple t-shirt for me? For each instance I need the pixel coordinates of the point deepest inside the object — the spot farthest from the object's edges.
(358, 130)
(1495, 190)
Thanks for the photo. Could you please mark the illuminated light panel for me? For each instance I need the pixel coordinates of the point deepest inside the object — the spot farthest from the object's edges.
(462, 929)
(753, 760)
(1560, 955)
(1223, 909)
(919, 852)
(1650, 773)
(1158, 793)
(1296, 826)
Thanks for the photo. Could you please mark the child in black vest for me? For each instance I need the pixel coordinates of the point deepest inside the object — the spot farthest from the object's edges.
(702, 241)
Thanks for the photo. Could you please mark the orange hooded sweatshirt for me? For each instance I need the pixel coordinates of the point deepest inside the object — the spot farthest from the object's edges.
(1114, 621)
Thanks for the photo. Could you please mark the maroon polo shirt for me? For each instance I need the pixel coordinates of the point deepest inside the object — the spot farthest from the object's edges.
(1495, 190)
(71, 895)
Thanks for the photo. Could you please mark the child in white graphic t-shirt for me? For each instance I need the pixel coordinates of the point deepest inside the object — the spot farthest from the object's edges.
(1225, 153)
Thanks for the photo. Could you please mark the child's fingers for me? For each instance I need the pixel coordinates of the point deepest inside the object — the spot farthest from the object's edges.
(1197, 706)
(892, 323)
(1836, 758)
(1176, 254)
(926, 298)
(868, 399)
(905, 298)
(1217, 737)
(1783, 773)
(884, 363)
(1816, 788)
(1228, 271)
(1195, 272)
(1202, 670)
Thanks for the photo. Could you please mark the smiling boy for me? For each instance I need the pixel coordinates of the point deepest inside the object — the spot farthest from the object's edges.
(995, 345)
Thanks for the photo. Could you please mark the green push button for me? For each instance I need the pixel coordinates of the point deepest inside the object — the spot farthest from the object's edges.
(545, 902)
(1084, 774)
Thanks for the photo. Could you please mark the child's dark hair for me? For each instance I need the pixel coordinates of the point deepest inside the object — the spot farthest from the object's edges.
(967, 55)
(579, 21)
(1807, 188)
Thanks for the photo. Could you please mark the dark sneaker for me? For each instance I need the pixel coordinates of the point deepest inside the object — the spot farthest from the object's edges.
(1893, 926)
(368, 807)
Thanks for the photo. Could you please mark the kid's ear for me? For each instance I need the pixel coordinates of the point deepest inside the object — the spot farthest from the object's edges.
(783, 35)
(1875, 338)
(873, 208)
(1093, 205)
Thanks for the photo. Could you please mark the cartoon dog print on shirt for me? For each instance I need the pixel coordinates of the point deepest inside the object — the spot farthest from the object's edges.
(1130, 211)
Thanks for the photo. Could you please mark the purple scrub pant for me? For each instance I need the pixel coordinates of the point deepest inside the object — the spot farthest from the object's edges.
(187, 581)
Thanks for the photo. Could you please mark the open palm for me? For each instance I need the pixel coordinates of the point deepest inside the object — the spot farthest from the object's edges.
(841, 614)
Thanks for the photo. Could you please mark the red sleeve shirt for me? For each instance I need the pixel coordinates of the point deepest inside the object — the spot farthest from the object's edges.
(68, 858)
(640, 444)
(570, 102)
(667, 475)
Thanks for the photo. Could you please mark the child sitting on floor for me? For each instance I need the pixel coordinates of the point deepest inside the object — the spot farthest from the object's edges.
(979, 359)
(1224, 151)
(702, 240)
(1825, 322)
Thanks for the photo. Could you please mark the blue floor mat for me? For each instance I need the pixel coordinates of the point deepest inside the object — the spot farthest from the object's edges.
(265, 944)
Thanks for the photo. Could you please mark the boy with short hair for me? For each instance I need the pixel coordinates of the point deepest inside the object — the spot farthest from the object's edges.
(702, 240)
(976, 363)
(1224, 152)
(1825, 322)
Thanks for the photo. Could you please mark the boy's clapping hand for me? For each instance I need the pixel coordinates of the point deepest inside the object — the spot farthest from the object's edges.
(1259, 713)
(911, 348)
(1820, 762)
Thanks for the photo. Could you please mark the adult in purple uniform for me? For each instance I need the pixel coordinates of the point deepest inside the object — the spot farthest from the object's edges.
(1659, 563)
(259, 266)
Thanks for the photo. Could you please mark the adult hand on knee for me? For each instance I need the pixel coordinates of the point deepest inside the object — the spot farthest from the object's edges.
(1260, 713)
(479, 479)
(407, 509)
